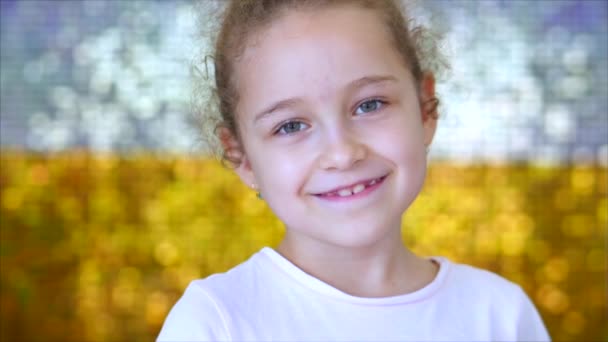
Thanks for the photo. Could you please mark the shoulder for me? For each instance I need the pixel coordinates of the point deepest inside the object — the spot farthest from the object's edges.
(195, 317)
(205, 310)
(483, 287)
(479, 281)
(505, 305)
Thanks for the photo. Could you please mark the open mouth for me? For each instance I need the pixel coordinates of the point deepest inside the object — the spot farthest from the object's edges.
(355, 190)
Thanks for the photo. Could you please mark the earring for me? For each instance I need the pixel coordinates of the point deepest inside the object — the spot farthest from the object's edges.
(257, 193)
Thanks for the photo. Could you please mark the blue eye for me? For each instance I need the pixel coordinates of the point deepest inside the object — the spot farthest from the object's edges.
(369, 106)
(291, 127)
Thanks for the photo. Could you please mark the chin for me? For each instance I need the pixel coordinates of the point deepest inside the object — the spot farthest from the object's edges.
(362, 235)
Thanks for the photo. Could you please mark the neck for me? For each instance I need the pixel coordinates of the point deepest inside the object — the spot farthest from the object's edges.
(386, 268)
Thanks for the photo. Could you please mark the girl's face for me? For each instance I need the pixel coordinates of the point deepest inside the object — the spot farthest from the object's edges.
(331, 126)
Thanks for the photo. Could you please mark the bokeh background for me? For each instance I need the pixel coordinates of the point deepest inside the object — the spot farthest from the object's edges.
(110, 205)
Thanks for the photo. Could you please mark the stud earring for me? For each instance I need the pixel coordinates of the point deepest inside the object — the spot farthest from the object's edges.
(257, 193)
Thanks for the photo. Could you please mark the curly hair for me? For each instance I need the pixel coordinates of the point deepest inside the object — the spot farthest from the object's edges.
(240, 20)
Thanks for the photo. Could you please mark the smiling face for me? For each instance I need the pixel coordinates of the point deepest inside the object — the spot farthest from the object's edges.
(331, 126)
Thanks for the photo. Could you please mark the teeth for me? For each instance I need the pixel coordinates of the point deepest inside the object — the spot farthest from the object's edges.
(358, 188)
(354, 190)
(344, 192)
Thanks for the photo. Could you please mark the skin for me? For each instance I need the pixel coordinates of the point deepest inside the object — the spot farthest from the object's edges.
(355, 113)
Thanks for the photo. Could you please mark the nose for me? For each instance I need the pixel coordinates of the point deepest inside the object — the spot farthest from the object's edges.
(342, 151)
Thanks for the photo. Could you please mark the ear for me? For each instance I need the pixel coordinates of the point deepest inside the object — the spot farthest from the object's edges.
(235, 154)
(428, 107)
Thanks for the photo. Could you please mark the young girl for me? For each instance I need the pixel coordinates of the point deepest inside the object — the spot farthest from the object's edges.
(328, 113)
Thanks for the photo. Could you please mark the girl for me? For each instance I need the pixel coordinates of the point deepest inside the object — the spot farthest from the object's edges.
(327, 112)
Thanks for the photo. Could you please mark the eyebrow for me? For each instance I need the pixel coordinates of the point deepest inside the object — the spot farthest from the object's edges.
(290, 102)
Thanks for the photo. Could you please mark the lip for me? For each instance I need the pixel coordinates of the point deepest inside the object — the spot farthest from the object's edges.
(350, 185)
(363, 193)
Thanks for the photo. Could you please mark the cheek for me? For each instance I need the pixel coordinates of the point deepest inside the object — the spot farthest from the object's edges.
(402, 139)
(279, 171)
(281, 178)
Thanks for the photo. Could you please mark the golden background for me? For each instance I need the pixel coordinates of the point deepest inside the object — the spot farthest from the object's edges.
(99, 247)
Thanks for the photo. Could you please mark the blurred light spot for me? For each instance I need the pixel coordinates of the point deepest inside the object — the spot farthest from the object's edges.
(103, 325)
(82, 53)
(530, 102)
(516, 230)
(107, 130)
(60, 135)
(573, 87)
(186, 169)
(89, 299)
(525, 223)
(39, 119)
(123, 297)
(106, 164)
(129, 275)
(64, 98)
(144, 107)
(89, 273)
(553, 299)
(520, 141)
(559, 123)
(50, 62)
(33, 71)
(575, 256)
(12, 198)
(577, 225)
(91, 112)
(166, 253)
(582, 180)
(573, 322)
(124, 291)
(127, 86)
(538, 251)
(38, 175)
(575, 59)
(473, 204)
(101, 81)
(70, 209)
(157, 307)
(557, 269)
(512, 243)
(510, 201)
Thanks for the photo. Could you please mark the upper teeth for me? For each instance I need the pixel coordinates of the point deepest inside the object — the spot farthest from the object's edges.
(358, 188)
(355, 189)
(344, 192)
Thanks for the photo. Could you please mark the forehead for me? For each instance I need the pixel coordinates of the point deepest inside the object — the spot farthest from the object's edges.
(313, 53)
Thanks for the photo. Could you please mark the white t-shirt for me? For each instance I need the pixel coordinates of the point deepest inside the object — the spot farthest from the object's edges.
(267, 298)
